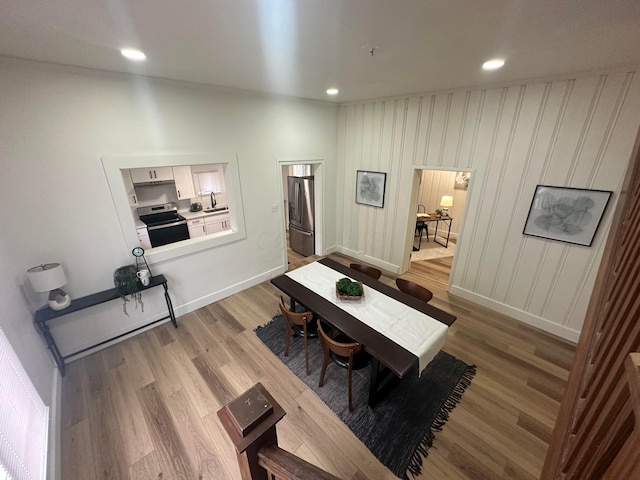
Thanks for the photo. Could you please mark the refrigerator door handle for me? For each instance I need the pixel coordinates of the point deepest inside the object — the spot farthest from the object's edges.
(308, 234)
(294, 204)
(298, 204)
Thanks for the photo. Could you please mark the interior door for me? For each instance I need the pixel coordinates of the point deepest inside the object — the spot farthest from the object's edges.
(594, 436)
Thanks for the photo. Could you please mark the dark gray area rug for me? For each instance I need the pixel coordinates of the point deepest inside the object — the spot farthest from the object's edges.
(401, 428)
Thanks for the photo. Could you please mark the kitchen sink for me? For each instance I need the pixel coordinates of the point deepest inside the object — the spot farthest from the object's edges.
(217, 209)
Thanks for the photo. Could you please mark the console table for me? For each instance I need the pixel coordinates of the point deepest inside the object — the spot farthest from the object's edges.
(46, 314)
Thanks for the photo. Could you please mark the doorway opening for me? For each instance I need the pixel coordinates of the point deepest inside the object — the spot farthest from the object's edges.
(440, 205)
(302, 204)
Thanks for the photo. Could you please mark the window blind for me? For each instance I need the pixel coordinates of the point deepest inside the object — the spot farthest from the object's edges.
(24, 420)
(208, 182)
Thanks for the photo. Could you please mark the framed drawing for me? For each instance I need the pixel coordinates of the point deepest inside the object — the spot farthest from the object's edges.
(461, 181)
(570, 215)
(370, 188)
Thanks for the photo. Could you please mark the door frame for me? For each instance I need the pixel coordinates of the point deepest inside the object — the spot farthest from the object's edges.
(418, 170)
(317, 170)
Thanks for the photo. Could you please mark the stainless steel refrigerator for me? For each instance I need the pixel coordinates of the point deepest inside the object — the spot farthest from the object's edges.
(301, 215)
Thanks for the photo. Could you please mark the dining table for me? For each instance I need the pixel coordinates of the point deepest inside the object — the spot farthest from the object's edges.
(401, 333)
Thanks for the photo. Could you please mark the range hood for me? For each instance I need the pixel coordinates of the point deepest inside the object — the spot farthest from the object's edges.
(156, 182)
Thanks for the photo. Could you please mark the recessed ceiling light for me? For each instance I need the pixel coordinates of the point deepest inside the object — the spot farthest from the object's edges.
(332, 91)
(133, 54)
(493, 64)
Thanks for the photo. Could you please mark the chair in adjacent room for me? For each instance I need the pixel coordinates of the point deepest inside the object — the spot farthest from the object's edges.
(296, 323)
(345, 353)
(414, 289)
(367, 270)
(421, 226)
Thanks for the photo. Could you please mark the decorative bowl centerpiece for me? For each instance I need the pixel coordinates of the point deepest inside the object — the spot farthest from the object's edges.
(347, 289)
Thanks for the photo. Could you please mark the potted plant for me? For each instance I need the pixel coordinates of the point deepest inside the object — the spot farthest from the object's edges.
(439, 212)
(347, 289)
(126, 281)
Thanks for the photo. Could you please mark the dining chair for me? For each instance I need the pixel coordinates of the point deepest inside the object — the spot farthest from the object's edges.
(414, 289)
(421, 225)
(367, 270)
(291, 321)
(344, 352)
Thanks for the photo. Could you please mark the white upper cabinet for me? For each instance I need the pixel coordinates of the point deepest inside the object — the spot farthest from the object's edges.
(184, 182)
(151, 174)
(128, 185)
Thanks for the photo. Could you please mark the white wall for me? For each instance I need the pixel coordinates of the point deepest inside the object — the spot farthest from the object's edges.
(56, 124)
(577, 132)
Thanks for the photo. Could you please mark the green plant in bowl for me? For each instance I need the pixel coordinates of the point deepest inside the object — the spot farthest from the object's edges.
(347, 288)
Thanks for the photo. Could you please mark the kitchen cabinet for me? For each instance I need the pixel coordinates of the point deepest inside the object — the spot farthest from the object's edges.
(197, 227)
(184, 182)
(217, 223)
(151, 174)
(143, 238)
(128, 185)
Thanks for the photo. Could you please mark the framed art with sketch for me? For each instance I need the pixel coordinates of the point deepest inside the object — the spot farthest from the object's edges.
(370, 188)
(565, 214)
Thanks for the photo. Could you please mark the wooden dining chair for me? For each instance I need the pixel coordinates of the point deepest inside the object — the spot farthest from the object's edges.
(344, 352)
(414, 289)
(367, 270)
(291, 321)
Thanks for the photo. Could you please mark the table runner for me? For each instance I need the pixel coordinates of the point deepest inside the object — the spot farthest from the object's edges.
(415, 331)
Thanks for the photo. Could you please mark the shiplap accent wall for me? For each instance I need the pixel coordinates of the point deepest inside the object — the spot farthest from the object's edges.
(576, 132)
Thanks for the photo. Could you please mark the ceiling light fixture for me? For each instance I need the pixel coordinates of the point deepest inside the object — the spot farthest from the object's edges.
(332, 91)
(133, 54)
(493, 64)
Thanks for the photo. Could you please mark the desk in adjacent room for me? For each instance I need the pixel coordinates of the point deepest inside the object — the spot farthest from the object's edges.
(422, 221)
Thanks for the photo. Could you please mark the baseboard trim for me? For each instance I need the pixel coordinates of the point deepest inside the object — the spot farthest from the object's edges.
(389, 267)
(525, 317)
(226, 292)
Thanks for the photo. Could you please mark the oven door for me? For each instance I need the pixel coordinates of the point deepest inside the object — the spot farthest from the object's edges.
(168, 233)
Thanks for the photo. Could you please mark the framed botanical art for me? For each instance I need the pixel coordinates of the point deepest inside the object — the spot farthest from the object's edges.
(461, 181)
(370, 188)
(570, 215)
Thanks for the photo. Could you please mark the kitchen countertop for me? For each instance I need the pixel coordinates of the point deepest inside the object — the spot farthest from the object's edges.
(189, 215)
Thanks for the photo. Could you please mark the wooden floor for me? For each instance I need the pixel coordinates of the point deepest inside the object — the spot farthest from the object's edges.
(146, 407)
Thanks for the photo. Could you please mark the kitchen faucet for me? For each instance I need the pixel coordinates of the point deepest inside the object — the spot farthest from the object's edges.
(213, 200)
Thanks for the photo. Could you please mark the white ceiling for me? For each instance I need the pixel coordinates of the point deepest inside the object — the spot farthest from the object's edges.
(302, 47)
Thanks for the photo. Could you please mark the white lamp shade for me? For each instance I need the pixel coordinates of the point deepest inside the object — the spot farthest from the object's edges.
(47, 277)
(446, 201)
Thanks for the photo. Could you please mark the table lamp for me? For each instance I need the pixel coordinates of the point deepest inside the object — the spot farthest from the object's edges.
(50, 277)
(445, 203)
